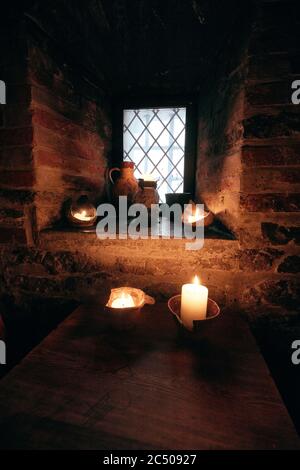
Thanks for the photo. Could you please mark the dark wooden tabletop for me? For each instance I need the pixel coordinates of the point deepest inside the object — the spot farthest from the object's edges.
(87, 386)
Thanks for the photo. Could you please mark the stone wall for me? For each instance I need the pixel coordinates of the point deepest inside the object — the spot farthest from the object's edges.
(248, 158)
(220, 131)
(247, 173)
(55, 135)
(72, 133)
(17, 175)
(55, 132)
(270, 177)
(220, 138)
(78, 266)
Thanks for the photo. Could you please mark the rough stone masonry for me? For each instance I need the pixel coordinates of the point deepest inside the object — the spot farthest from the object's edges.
(55, 139)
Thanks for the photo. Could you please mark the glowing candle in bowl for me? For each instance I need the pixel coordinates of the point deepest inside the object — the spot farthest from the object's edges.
(81, 212)
(124, 306)
(82, 215)
(193, 303)
(193, 214)
(124, 301)
(196, 216)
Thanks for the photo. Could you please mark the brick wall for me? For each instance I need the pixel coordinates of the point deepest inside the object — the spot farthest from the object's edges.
(248, 159)
(17, 175)
(270, 178)
(78, 266)
(220, 138)
(55, 135)
(220, 127)
(72, 133)
(247, 173)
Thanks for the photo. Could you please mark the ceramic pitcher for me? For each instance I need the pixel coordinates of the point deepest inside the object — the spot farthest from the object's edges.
(147, 193)
(126, 184)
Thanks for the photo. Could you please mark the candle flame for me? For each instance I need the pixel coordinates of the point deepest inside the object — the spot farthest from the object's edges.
(196, 280)
(82, 215)
(125, 301)
(195, 216)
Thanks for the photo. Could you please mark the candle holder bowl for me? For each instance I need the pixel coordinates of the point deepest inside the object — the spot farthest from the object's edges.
(126, 317)
(201, 327)
(206, 220)
(123, 318)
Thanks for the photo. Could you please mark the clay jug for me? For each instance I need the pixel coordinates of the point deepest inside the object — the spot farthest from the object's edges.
(147, 193)
(126, 184)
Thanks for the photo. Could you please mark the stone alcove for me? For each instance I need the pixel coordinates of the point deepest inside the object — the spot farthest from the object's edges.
(57, 134)
(57, 139)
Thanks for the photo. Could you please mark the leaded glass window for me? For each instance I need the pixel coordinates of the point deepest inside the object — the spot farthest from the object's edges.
(154, 139)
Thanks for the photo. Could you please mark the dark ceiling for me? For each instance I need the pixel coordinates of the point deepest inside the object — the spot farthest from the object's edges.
(168, 45)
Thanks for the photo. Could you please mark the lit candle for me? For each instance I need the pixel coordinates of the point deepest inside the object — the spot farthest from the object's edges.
(125, 301)
(198, 215)
(82, 215)
(193, 216)
(193, 303)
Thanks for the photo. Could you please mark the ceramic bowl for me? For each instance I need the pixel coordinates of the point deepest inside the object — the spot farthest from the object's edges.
(200, 326)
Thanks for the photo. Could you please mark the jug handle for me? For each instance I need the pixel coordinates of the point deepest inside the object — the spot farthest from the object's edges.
(110, 172)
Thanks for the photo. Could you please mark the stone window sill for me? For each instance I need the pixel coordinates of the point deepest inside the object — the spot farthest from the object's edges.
(215, 231)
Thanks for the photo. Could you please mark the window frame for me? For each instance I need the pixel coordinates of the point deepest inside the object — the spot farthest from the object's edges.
(142, 102)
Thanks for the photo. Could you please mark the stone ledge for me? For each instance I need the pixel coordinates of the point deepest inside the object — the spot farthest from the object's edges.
(68, 239)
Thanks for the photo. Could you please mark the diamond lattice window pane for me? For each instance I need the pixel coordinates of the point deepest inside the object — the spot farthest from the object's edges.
(154, 139)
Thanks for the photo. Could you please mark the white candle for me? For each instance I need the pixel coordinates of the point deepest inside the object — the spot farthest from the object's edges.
(125, 301)
(193, 303)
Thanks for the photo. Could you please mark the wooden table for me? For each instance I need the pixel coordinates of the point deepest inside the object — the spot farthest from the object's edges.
(88, 387)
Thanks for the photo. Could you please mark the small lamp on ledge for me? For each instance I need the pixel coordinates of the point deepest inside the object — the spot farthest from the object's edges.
(194, 216)
(82, 213)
